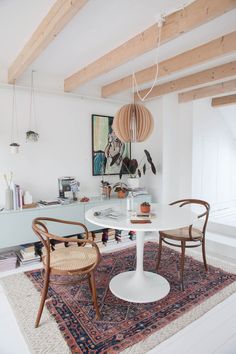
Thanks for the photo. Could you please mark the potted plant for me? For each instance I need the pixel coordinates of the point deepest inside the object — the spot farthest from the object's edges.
(136, 169)
(32, 136)
(14, 147)
(121, 189)
(145, 207)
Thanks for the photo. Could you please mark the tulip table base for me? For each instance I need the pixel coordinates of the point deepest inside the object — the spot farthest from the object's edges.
(139, 286)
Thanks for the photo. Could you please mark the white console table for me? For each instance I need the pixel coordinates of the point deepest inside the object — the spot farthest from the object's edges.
(16, 224)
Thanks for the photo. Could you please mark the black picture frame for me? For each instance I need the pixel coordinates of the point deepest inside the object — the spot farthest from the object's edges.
(108, 151)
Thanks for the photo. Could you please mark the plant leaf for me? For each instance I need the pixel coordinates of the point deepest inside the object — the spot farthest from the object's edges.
(153, 168)
(124, 167)
(144, 169)
(148, 156)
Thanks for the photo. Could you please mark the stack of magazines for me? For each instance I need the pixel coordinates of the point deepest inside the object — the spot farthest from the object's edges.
(139, 191)
(49, 202)
(7, 261)
(28, 255)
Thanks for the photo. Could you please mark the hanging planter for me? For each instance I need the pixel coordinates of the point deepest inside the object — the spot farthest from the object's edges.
(14, 146)
(31, 134)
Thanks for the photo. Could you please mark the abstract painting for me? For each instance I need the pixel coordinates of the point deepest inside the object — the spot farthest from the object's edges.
(108, 151)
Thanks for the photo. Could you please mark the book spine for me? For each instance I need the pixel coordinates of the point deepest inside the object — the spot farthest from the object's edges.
(20, 198)
(17, 196)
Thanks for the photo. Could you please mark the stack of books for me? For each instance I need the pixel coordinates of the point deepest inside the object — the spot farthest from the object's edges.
(7, 261)
(28, 255)
(141, 218)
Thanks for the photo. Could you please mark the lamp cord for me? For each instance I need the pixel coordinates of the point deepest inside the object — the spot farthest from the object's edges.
(14, 125)
(32, 111)
(134, 80)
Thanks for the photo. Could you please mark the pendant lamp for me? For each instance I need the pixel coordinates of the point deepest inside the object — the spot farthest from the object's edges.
(133, 122)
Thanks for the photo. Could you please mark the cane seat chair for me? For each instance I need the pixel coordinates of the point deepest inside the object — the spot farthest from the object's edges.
(186, 237)
(67, 261)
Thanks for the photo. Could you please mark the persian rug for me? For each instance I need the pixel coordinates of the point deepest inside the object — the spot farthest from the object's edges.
(123, 327)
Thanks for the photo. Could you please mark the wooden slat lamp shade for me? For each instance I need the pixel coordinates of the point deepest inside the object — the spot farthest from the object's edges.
(133, 114)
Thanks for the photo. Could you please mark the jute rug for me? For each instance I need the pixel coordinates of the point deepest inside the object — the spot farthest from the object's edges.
(124, 327)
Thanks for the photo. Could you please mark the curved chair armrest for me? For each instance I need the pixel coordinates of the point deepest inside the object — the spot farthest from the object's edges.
(43, 231)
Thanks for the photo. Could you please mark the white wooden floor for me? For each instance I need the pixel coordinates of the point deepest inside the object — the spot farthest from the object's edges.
(215, 332)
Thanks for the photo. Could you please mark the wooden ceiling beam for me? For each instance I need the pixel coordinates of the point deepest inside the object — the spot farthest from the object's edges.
(208, 91)
(223, 101)
(208, 51)
(177, 23)
(57, 18)
(200, 78)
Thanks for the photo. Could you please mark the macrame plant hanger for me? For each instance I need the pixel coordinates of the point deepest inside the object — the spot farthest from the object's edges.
(14, 145)
(32, 134)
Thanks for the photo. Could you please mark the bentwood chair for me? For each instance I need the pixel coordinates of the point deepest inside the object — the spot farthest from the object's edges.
(69, 261)
(186, 237)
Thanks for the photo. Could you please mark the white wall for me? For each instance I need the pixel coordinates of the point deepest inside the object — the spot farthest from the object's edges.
(154, 145)
(64, 147)
(192, 147)
(171, 148)
(214, 155)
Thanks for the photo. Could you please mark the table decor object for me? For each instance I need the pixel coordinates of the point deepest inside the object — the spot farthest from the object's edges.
(8, 192)
(145, 207)
(121, 188)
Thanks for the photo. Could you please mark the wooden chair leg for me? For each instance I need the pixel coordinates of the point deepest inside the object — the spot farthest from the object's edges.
(159, 252)
(182, 264)
(204, 255)
(43, 297)
(90, 286)
(94, 294)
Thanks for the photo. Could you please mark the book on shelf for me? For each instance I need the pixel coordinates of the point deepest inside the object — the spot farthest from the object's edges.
(26, 260)
(29, 254)
(7, 261)
(17, 197)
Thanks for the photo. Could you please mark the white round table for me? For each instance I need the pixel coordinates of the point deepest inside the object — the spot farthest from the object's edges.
(139, 286)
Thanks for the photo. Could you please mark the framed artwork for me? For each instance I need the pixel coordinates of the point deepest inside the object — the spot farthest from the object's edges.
(108, 151)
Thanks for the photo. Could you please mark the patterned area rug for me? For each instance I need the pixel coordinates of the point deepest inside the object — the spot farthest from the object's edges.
(128, 327)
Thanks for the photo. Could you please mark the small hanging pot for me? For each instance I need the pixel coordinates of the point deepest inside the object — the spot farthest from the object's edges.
(14, 148)
(32, 136)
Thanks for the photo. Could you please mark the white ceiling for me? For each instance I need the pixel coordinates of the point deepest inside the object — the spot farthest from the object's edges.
(99, 27)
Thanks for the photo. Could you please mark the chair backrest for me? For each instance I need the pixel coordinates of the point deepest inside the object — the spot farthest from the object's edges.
(203, 203)
(41, 230)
